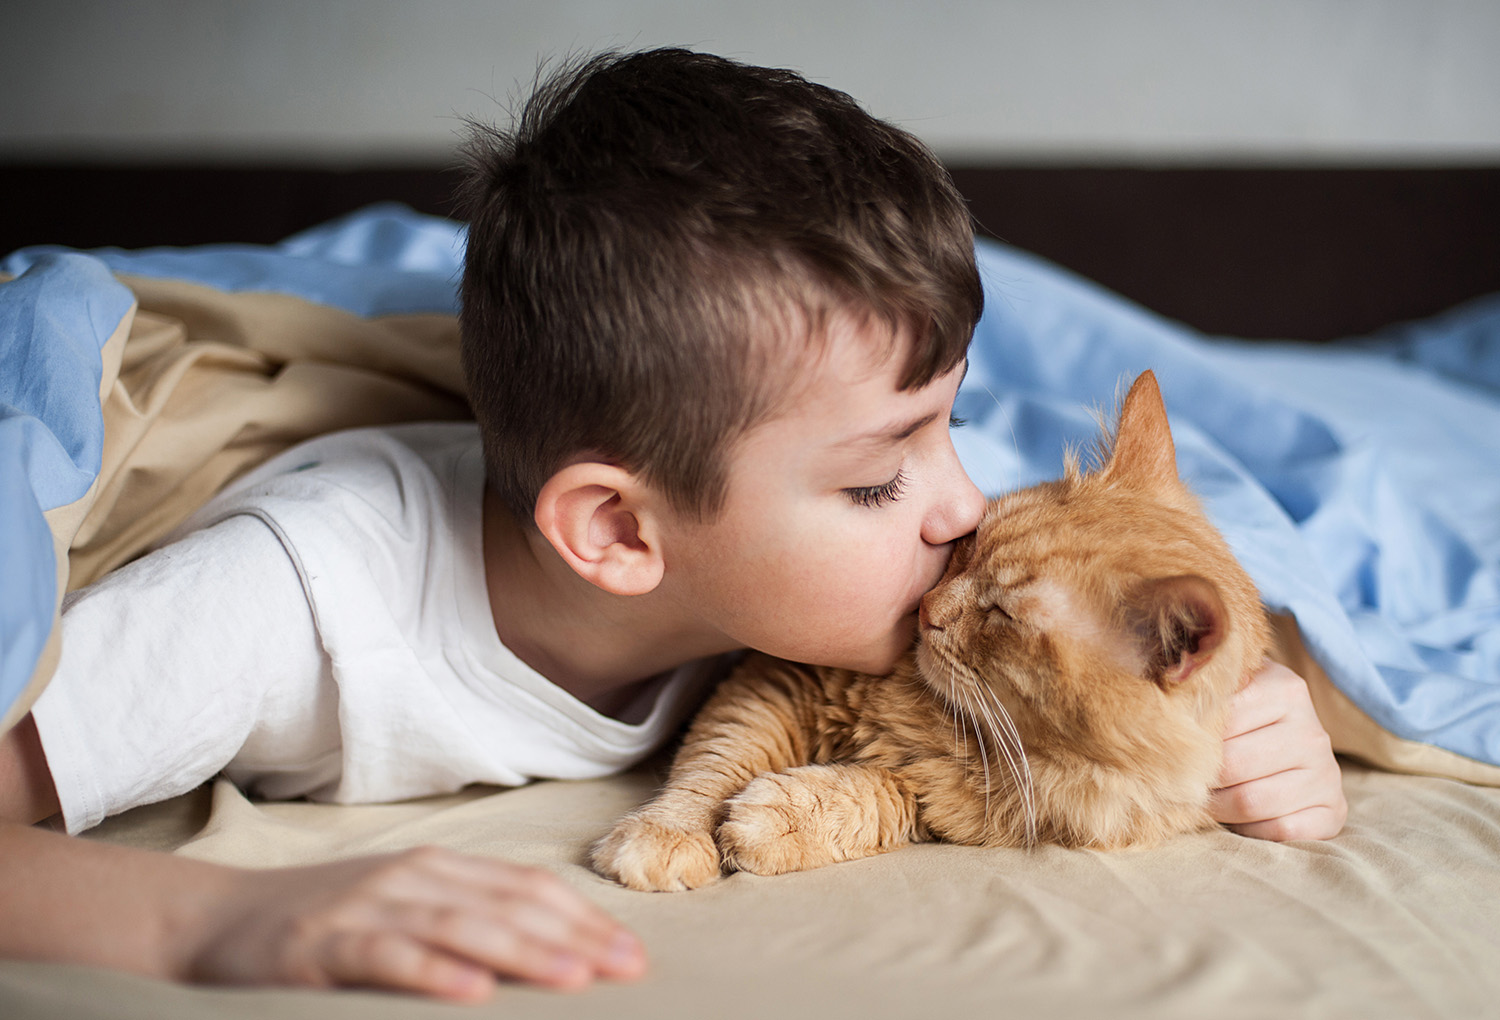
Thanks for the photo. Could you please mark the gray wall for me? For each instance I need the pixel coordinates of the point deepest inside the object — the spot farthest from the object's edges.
(371, 81)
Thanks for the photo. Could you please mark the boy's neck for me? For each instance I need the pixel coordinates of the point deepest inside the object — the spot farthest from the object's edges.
(599, 647)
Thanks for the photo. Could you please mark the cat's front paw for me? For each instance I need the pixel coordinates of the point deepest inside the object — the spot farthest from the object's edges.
(653, 856)
(772, 828)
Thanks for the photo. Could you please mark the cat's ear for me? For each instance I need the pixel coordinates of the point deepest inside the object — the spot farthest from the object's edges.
(1178, 624)
(1143, 452)
(600, 520)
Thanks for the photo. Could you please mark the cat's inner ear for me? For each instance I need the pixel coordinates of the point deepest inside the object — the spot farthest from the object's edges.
(1143, 452)
(1178, 624)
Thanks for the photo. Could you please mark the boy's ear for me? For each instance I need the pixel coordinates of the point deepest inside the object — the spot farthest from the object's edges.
(601, 520)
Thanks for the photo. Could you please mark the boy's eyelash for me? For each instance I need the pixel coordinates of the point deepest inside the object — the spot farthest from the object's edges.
(878, 495)
(955, 422)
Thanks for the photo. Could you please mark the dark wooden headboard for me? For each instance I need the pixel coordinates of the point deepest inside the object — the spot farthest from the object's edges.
(1309, 254)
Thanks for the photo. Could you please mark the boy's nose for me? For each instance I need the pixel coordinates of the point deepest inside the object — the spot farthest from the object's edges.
(958, 513)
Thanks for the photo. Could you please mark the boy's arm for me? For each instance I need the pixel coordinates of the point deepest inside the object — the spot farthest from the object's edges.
(1280, 779)
(428, 920)
(26, 790)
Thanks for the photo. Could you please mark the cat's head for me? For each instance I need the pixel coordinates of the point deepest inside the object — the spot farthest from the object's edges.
(1101, 625)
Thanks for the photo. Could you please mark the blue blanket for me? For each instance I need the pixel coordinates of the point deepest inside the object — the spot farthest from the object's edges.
(1359, 482)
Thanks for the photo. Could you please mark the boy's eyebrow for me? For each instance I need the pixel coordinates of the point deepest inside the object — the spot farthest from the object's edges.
(890, 434)
(901, 430)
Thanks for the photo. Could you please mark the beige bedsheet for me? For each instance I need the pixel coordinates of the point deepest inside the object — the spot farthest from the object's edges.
(1397, 917)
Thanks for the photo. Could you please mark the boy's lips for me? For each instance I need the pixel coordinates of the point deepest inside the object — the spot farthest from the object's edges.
(938, 572)
(914, 604)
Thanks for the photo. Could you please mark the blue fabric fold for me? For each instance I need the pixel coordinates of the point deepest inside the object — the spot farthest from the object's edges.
(54, 320)
(383, 260)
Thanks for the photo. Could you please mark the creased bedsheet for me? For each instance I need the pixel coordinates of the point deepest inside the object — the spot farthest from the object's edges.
(1359, 482)
(1393, 919)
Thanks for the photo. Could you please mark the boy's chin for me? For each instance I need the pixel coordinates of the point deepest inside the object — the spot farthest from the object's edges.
(878, 661)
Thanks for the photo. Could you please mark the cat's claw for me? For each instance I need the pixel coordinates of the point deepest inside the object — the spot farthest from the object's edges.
(655, 857)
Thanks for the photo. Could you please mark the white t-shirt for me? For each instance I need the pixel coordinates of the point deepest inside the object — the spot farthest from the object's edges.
(322, 629)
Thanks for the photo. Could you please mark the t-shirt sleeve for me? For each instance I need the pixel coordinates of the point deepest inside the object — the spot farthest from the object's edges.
(172, 663)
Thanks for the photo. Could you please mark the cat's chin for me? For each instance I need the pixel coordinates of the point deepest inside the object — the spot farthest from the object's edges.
(934, 671)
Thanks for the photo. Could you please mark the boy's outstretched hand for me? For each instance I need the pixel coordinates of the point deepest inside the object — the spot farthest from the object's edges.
(429, 921)
(1280, 780)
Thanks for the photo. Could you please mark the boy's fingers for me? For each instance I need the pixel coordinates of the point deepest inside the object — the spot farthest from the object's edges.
(433, 911)
(1270, 696)
(480, 908)
(517, 936)
(513, 879)
(515, 940)
(557, 912)
(624, 958)
(422, 921)
(608, 950)
(1290, 743)
(389, 959)
(1263, 799)
(1318, 822)
(1258, 754)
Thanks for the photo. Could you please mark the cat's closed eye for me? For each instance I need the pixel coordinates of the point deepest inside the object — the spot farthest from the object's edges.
(996, 611)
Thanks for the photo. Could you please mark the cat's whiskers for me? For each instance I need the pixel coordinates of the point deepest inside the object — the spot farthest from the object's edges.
(984, 756)
(961, 727)
(1015, 442)
(949, 702)
(984, 711)
(981, 700)
(1001, 720)
(1008, 743)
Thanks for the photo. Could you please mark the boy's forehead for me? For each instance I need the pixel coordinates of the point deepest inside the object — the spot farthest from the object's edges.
(843, 348)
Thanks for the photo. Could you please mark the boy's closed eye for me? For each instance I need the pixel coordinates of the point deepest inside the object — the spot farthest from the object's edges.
(878, 495)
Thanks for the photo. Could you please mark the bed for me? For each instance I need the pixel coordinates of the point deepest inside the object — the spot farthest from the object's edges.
(1358, 481)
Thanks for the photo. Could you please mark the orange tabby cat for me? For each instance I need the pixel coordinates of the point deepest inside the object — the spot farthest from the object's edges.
(1070, 686)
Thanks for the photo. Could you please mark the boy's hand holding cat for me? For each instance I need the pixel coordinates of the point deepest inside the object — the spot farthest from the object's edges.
(1280, 780)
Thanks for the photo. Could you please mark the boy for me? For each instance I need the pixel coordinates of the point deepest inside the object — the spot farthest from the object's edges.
(714, 321)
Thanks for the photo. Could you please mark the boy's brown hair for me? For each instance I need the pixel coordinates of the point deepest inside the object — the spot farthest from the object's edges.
(650, 229)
